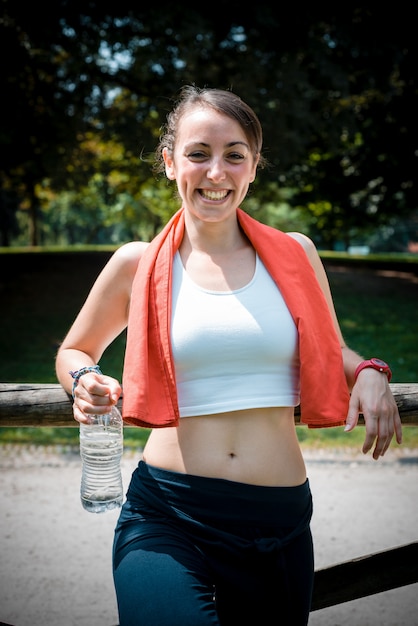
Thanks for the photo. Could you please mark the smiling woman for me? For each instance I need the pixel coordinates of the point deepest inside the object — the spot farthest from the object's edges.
(230, 326)
(212, 164)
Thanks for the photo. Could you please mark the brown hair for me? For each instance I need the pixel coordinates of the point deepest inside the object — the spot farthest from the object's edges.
(222, 101)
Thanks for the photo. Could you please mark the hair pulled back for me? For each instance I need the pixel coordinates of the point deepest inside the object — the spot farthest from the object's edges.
(222, 101)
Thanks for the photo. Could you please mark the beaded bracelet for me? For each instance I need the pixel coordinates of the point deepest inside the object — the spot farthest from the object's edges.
(84, 370)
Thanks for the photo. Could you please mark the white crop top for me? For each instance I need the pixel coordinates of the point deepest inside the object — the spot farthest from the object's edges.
(232, 349)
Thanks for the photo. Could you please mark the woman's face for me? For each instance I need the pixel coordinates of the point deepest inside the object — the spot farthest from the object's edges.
(212, 164)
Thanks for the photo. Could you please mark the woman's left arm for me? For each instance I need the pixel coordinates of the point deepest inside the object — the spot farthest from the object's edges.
(370, 392)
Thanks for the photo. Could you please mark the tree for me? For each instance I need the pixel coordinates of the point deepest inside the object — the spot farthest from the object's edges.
(335, 91)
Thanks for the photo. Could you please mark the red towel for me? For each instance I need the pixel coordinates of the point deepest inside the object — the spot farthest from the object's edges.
(149, 383)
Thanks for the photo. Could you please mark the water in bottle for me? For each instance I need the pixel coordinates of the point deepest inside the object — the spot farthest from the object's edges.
(101, 446)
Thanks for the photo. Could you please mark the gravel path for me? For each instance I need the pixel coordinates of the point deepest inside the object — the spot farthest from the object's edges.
(56, 558)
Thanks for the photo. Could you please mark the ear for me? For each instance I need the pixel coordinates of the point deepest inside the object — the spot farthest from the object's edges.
(254, 172)
(169, 165)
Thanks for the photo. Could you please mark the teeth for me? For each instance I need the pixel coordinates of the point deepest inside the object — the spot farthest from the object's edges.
(214, 195)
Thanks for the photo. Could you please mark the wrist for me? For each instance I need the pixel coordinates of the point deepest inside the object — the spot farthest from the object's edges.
(77, 374)
(376, 364)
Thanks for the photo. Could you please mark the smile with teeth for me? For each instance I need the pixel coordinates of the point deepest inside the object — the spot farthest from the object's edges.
(214, 194)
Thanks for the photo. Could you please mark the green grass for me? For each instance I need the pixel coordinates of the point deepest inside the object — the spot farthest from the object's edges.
(378, 315)
(65, 437)
(42, 292)
(135, 438)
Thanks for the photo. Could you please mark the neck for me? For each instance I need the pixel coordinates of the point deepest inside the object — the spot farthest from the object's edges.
(213, 238)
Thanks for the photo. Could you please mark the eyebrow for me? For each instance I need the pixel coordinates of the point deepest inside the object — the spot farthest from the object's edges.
(231, 144)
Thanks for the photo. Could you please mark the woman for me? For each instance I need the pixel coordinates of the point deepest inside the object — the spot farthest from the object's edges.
(231, 324)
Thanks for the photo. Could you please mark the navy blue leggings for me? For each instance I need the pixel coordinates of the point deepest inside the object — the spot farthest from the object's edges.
(194, 551)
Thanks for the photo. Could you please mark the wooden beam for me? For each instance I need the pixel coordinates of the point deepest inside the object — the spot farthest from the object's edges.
(365, 576)
(44, 404)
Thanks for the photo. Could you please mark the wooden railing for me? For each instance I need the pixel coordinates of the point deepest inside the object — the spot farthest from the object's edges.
(27, 404)
(43, 404)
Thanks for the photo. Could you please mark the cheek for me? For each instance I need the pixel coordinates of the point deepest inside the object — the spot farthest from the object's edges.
(186, 174)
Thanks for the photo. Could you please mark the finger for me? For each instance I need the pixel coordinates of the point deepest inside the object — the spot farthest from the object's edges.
(394, 427)
(382, 445)
(384, 437)
(387, 445)
(101, 393)
(352, 418)
(79, 416)
(91, 391)
(398, 428)
(90, 385)
(371, 433)
(114, 387)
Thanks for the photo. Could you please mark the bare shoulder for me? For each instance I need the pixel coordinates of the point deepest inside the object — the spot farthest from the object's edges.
(119, 271)
(131, 251)
(306, 243)
(129, 255)
(312, 254)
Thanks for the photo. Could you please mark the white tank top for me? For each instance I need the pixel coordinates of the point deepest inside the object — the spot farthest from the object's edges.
(232, 349)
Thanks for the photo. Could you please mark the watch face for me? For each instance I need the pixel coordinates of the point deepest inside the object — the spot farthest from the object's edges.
(379, 363)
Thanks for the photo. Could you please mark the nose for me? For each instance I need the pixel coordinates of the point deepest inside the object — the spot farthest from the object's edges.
(216, 170)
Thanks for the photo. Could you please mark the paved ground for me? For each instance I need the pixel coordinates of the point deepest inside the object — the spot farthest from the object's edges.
(56, 558)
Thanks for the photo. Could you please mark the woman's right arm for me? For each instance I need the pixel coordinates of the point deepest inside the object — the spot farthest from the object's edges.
(102, 318)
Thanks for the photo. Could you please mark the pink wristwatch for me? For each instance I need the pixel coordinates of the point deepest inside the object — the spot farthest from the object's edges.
(377, 364)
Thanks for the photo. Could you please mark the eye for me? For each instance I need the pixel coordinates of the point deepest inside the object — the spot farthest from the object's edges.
(197, 155)
(236, 156)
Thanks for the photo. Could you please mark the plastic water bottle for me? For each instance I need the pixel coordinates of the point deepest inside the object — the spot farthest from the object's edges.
(101, 447)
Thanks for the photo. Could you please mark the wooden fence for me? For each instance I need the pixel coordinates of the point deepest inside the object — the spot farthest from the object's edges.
(27, 404)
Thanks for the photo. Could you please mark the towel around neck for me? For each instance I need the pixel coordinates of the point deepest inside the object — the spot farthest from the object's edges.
(149, 382)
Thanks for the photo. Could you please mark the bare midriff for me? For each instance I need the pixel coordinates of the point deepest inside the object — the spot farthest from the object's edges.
(253, 446)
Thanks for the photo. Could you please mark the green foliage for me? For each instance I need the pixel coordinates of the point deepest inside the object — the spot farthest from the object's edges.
(86, 217)
(87, 90)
